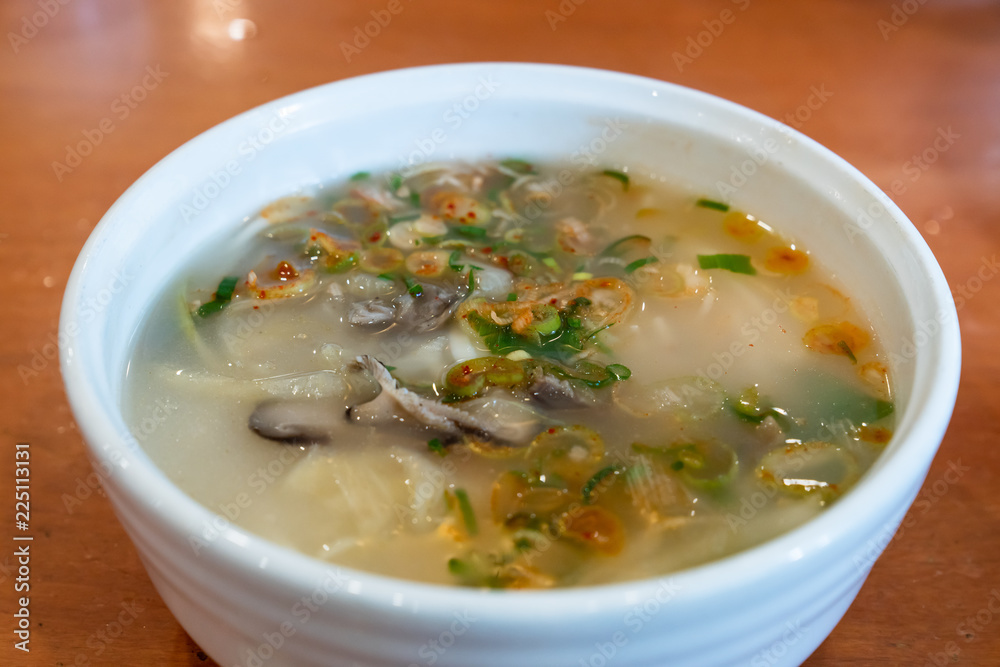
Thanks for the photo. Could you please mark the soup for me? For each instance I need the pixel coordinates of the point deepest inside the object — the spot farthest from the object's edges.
(509, 375)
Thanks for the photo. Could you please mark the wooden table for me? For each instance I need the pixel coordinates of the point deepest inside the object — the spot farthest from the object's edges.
(95, 92)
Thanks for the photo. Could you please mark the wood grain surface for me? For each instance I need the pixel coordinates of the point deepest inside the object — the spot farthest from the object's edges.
(909, 92)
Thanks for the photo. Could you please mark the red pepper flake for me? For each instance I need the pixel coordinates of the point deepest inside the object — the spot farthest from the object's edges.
(487, 250)
(375, 237)
(263, 294)
(256, 307)
(553, 301)
(472, 214)
(551, 431)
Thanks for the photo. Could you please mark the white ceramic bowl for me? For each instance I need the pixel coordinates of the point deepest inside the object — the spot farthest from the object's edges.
(249, 602)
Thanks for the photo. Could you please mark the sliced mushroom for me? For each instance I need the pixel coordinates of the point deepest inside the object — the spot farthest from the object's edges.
(397, 404)
(432, 308)
(293, 421)
(427, 312)
(555, 393)
(376, 312)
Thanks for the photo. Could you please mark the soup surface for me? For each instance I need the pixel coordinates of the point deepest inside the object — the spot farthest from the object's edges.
(509, 375)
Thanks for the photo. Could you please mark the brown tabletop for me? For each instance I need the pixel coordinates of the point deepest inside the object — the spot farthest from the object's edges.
(94, 92)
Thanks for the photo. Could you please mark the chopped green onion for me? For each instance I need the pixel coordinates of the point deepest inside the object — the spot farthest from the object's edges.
(620, 371)
(223, 295)
(403, 217)
(452, 259)
(395, 182)
(465, 507)
(734, 263)
(598, 477)
(626, 243)
(551, 263)
(619, 176)
(597, 331)
(415, 289)
(847, 350)
(709, 203)
(677, 465)
(472, 277)
(639, 263)
(512, 296)
(390, 368)
(469, 231)
(360, 176)
(386, 276)
(435, 445)
(518, 166)
(343, 265)
(415, 199)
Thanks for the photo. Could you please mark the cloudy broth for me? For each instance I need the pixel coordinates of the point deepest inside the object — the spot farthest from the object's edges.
(509, 375)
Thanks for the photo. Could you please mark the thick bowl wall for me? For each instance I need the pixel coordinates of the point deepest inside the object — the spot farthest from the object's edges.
(249, 602)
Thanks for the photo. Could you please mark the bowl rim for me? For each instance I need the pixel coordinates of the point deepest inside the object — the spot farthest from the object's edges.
(894, 475)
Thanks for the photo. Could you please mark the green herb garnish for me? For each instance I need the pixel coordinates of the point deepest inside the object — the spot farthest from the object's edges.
(620, 371)
(403, 217)
(512, 296)
(360, 176)
(518, 166)
(709, 203)
(639, 263)
(395, 183)
(223, 295)
(626, 244)
(847, 350)
(594, 481)
(415, 289)
(618, 176)
(386, 276)
(734, 263)
(469, 231)
(436, 446)
(452, 259)
(465, 507)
